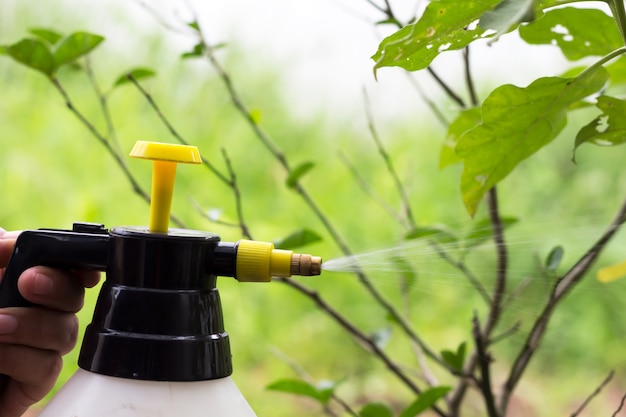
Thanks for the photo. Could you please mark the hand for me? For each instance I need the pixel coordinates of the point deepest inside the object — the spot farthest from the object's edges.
(33, 339)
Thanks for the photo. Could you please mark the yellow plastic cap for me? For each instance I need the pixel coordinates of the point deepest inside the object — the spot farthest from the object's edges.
(165, 156)
(157, 151)
(259, 261)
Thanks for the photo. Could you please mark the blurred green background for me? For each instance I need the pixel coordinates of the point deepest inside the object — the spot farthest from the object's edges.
(52, 173)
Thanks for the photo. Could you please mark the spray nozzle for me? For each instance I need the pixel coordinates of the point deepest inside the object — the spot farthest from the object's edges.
(165, 156)
(260, 261)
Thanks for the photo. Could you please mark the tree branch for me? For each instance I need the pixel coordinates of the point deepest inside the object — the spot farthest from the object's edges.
(171, 128)
(388, 162)
(484, 361)
(107, 144)
(593, 394)
(359, 336)
(560, 289)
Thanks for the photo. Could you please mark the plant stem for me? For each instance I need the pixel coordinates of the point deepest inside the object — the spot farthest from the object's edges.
(358, 336)
(560, 289)
(619, 14)
(388, 163)
(594, 394)
(330, 228)
(468, 77)
(485, 367)
(103, 140)
(171, 128)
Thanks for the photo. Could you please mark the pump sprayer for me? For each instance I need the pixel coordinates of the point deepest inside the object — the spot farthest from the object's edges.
(156, 345)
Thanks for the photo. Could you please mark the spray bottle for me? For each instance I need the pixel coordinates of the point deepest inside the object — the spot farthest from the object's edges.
(157, 345)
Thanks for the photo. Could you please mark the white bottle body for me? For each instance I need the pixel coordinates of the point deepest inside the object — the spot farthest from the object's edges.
(88, 394)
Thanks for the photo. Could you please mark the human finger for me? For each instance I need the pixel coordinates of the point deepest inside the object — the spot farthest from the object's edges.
(53, 288)
(33, 373)
(38, 328)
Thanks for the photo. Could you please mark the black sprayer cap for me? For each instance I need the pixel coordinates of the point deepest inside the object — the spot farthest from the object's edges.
(158, 315)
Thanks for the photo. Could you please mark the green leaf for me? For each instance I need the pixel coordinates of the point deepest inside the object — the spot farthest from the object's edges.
(438, 233)
(408, 276)
(608, 129)
(196, 52)
(75, 46)
(443, 26)
(376, 410)
(577, 32)
(455, 359)
(299, 387)
(516, 123)
(47, 35)
(297, 173)
(299, 238)
(426, 400)
(483, 230)
(617, 71)
(194, 25)
(34, 54)
(3, 50)
(554, 258)
(507, 15)
(466, 120)
(136, 73)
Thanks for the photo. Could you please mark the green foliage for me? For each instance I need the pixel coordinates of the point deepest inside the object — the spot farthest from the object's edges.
(554, 258)
(455, 359)
(568, 28)
(136, 73)
(609, 128)
(47, 35)
(297, 239)
(442, 27)
(297, 173)
(376, 410)
(438, 233)
(38, 55)
(516, 123)
(426, 400)
(507, 15)
(482, 230)
(465, 120)
(321, 393)
(34, 54)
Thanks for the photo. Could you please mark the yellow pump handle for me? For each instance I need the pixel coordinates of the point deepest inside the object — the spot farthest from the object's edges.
(165, 156)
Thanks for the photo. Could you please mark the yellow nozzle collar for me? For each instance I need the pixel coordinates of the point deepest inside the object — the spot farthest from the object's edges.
(259, 261)
(165, 156)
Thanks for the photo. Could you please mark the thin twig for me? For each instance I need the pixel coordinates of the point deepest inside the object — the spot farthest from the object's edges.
(245, 231)
(507, 333)
(560, 289)
(594, 394)
(302, 373)
(310, 202)
(103, 140)
(406, 203)
(171, 128)
(461, 266)
(104, 106)
(502, 263)
(365, 186)
(484, 361)
(391, 17)
(621, 405)
(358, 335)
(430, 103)
(468, 77)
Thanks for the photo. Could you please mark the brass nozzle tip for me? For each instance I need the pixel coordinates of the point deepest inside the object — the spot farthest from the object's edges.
(305, 265)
